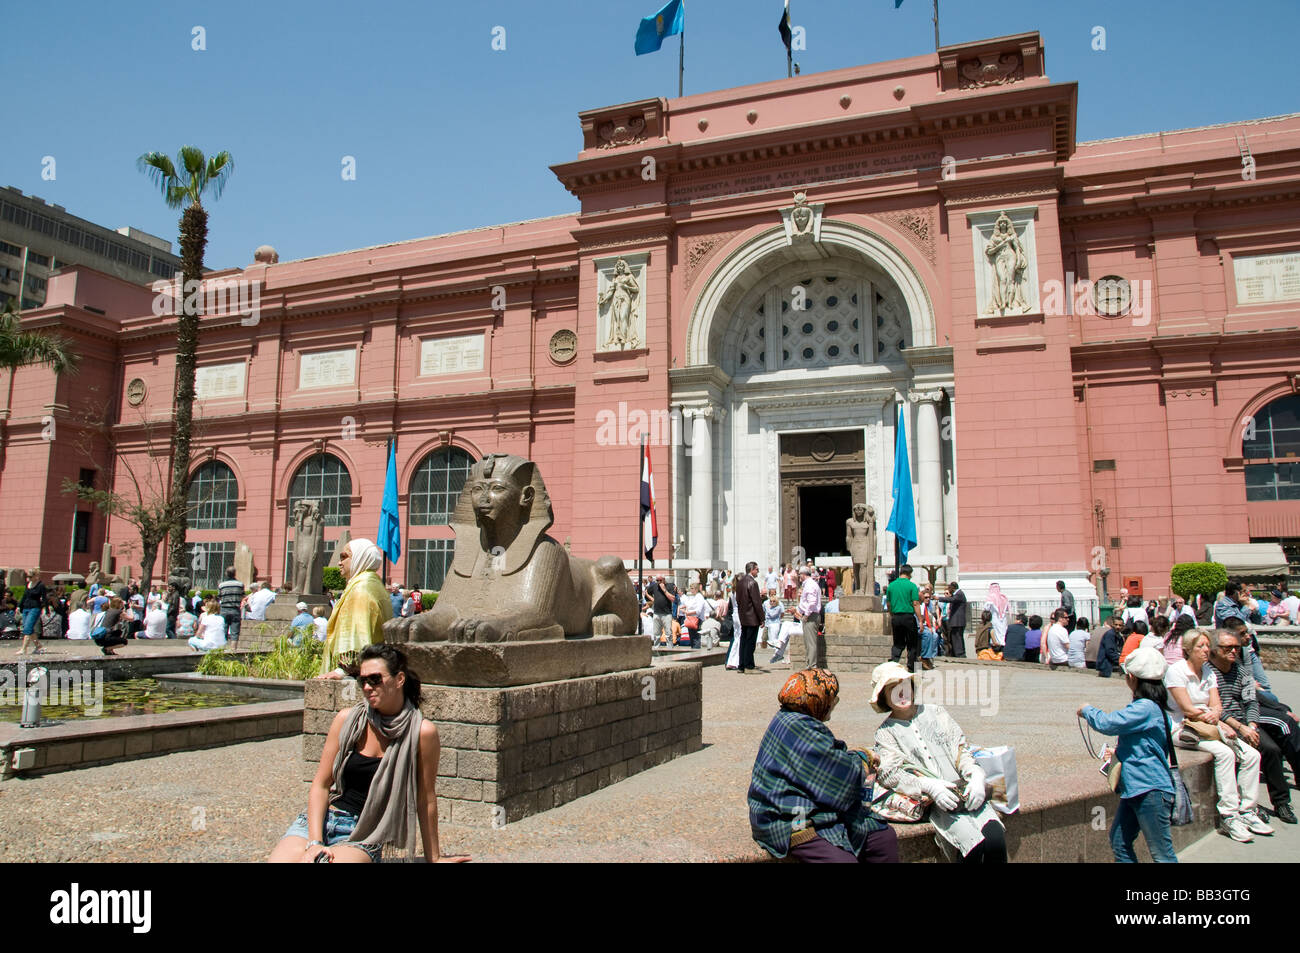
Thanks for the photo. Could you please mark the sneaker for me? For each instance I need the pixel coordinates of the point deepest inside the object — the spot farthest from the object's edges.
(1284, 814)
(1255, 823)
(1235, 828)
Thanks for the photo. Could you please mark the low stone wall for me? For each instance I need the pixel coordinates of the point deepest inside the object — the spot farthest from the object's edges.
(81, 744)
(1280, 654)
(1076, 829)
(853, 642)
(259, 636)
(511, 752)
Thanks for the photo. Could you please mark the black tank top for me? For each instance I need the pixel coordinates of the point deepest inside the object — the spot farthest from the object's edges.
(358, 772)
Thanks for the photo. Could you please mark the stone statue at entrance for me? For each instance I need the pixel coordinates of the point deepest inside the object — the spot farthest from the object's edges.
(308, 547)
(92, 574)
(511, 582)
(1008, 261)
(621, 296)
(860, 541)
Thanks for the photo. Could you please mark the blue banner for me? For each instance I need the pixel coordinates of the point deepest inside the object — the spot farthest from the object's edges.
(902, 518)
(390, 527)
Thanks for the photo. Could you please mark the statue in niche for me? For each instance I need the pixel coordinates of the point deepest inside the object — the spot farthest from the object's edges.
(1009, 262)
(308, 547)
(621, 295)
(860, 541)
(511, 582)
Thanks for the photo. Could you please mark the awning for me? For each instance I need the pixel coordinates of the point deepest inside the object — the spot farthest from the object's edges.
(1252, 560)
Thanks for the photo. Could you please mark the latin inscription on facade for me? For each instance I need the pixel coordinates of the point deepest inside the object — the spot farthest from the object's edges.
(1262, 279)
(219, 380)
(451, 355)
(327, 369)
(806, 175)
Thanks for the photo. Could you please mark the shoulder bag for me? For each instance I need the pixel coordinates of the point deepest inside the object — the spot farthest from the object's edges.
(1110, 764)
(1182, 813)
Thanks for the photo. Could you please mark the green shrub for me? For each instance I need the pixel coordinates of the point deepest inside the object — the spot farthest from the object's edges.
(1193, 579)
(19, 592)
(427, 599)
(295, 663)
(333, 577)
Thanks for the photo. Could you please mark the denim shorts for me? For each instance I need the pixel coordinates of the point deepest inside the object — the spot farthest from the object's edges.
(338, 828)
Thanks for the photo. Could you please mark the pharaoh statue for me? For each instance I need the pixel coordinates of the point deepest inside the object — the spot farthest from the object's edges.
(308, 547)
(621, 296)
(511, 582)
(92, 574)
(860, 541)
(1008, 261)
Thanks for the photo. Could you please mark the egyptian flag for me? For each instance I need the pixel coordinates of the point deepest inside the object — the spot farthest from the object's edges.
(784, 27)
(649, 525)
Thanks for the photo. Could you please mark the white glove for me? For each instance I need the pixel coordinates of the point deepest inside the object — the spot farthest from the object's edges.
(941, 793)
(975, 793)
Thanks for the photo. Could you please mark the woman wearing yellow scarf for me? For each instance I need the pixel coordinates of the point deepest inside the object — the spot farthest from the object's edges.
(359, 615)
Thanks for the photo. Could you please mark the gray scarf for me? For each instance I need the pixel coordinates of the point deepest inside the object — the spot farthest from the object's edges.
(389, 815)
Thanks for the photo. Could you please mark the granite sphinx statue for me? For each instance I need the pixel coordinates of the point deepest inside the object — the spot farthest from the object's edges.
(511, 582)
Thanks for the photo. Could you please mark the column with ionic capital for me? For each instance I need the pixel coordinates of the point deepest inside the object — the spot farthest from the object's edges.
(700, 542)
(929, 504)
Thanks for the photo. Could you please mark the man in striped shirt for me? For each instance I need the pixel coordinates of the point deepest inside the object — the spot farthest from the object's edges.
(1241, 714)
(808, 612)
(230, 593)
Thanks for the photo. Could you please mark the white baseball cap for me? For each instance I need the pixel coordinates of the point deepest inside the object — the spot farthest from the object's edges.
(1146, 663)
(301, 605)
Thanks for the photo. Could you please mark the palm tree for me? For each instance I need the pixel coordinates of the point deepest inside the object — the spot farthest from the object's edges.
(19, 348)
(184, 189)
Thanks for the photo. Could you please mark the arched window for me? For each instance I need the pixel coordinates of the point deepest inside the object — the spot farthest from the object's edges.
(324, 478)
(1271, 447)
(436, 486)
(214, 492)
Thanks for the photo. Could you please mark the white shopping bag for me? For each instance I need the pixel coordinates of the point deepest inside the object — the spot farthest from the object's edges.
(999, 766)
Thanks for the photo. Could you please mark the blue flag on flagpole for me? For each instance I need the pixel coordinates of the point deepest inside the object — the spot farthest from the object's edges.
(390, 528)
(669, 21)
(902, 518)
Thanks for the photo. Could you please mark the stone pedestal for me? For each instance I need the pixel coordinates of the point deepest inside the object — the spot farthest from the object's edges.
(498, 664)
(854, 641)
(284, 608)
(514, 751)
(859, 604)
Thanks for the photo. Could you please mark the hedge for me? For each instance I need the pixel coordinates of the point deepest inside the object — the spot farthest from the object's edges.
(1198, 579)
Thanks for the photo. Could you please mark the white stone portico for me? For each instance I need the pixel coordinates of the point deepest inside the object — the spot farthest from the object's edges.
(809, 337)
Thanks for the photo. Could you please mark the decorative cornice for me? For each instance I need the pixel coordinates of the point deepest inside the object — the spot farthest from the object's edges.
(657, 237)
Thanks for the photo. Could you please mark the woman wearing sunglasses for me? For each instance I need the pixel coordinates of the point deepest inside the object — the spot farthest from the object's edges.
(377, 775)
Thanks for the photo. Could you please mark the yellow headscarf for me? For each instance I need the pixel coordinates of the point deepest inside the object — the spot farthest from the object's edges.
(359, 615)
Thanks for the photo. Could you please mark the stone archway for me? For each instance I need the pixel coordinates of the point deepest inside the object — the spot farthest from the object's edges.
(751, 264)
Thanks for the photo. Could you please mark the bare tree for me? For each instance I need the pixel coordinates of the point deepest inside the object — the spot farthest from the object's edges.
(145, 501)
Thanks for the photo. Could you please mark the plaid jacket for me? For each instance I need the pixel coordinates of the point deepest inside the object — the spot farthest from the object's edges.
(805, 778)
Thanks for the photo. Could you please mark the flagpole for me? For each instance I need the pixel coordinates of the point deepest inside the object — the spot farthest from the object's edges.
(640, 528)
(681, 60)
(936, 25)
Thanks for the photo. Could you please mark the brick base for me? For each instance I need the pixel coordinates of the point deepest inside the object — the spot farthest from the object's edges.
(508, 753)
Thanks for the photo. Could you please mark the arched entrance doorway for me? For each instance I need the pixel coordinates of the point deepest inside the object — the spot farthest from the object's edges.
(799, 355)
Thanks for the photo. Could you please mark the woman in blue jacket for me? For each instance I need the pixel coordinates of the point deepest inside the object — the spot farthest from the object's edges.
(1146, 785)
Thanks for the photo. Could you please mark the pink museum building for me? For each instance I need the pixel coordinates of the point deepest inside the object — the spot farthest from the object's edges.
(1094, 345)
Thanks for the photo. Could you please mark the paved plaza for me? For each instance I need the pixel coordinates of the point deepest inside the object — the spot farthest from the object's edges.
(232, 803)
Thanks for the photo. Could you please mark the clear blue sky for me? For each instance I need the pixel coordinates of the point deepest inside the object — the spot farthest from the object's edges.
(449, 134)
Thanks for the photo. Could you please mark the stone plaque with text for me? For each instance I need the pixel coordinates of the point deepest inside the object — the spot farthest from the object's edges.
(219, 380)
(1263, 279)
(451, 355)
(327, 369)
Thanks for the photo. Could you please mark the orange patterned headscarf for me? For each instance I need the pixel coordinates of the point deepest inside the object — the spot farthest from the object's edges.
(811, 691)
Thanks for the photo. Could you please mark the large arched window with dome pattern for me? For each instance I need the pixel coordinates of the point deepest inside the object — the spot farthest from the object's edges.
(1271, 448)
(213, 497)
(436, 485)
(324, 477)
